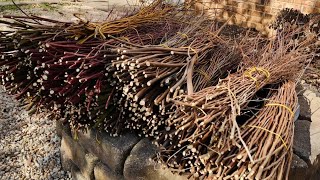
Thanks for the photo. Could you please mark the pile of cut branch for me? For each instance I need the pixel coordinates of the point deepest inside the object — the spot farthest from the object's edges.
(217, 107)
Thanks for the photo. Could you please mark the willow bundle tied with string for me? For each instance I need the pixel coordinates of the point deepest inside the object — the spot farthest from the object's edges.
(268, 136)
(206, 120)
(156, 17)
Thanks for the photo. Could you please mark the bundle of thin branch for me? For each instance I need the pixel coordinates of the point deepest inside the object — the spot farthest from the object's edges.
(17, 68)
(49, 77)
(267, 135)
(156, 71)
(187, 62)
(46, 66)
(157, 12)
(289, 17)
(206, 120)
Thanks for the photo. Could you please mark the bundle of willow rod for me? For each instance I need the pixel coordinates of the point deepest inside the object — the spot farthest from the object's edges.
(206, 120)
(151, 72)
(77, 66)
(40, 75)
(16, 65)
(274, 124)
(268, 136)
(156, 12)
(152, 75)
(149, 17)
(56, 71)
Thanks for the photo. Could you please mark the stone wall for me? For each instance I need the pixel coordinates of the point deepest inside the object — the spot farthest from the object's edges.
(92, 155)
(253, 13)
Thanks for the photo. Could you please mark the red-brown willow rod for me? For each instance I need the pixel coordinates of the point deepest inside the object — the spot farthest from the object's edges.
(47, 67)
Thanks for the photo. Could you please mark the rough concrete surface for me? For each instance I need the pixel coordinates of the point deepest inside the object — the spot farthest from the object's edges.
(139, 164)
(314, 100)
(306, 145)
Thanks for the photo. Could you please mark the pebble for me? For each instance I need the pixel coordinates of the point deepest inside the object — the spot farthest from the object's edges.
(29, 146)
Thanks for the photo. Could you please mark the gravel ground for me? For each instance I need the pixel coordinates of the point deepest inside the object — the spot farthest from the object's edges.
(29, 146)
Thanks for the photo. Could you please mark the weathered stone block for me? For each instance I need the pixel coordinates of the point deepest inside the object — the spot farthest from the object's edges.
(66, 155)
(62, 129)
(83, 160)
(305, 111)
(301, 141)
(298, 169)
(102, 172)
(76, 174)
(139, 164)
(110, 150)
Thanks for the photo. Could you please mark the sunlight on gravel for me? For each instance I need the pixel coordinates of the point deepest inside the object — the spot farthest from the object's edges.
(29, 145)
